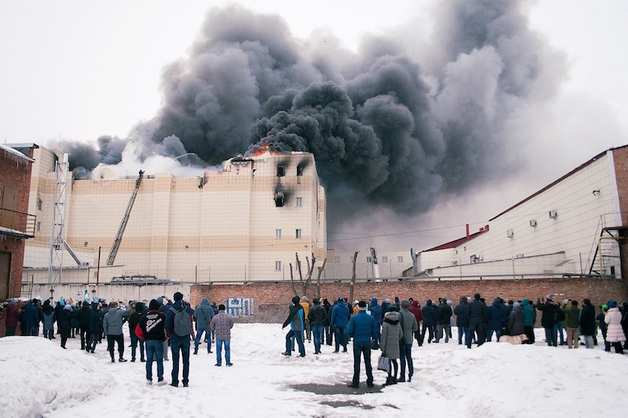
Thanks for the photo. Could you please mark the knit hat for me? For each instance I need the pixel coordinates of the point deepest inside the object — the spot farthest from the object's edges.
(160, 300)
(154, 305)
(516, 305)
(304, 299)
(405, 304)
(362, 305)
(612, 304)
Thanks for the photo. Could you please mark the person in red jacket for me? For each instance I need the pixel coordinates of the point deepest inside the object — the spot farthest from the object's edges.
(418, 314)
(13, 312)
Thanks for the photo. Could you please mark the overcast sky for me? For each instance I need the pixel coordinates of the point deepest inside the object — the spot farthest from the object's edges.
(81, 69)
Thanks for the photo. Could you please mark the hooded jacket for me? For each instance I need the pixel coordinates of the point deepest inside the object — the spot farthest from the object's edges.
(376, 311)
(496, 315)
(516, 320)
(416, 311)
(113, 320)
(203, 314)
(340, 314)
(391, 334)
(529, 313)
(430, 314)
(614, 333)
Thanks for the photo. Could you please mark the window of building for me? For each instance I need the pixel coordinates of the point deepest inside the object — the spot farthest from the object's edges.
(39, 203)
(336, 259)
(369, 259)
(277, 265)
(38, 226)
(281, 171)
(278, 233)
(299, 170)
(299, 233)
(400, 259)
(299, 202)
(384, 259)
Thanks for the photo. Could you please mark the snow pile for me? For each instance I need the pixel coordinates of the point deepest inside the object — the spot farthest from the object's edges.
(37, 376)
(494, 380)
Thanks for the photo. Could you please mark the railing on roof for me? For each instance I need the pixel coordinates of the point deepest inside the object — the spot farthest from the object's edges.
(17, 223)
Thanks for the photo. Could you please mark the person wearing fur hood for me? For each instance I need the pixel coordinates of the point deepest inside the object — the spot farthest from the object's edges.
(389, 344)
(614, 333)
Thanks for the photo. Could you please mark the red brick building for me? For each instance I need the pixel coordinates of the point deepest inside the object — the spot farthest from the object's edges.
(16, 225)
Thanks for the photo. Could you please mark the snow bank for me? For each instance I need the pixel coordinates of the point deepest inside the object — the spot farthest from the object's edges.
(37, 376)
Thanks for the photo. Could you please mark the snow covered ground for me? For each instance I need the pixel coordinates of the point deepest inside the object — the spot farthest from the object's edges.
(38, 378)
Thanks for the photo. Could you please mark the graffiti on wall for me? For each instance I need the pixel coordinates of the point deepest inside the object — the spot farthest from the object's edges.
(239, 307)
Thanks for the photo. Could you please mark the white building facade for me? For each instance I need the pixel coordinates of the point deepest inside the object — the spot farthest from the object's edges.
(572, 227)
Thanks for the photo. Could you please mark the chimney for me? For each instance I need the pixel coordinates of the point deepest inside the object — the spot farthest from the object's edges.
(467, 231)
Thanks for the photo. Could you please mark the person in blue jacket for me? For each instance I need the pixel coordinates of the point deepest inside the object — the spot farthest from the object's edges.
(296, 321)
(362, 329)
(339, 319)
(376, 312)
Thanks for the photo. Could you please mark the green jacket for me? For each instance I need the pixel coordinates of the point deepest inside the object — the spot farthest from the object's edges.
(572, 314)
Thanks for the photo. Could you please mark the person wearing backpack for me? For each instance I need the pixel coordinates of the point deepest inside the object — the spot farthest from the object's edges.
(179, 329)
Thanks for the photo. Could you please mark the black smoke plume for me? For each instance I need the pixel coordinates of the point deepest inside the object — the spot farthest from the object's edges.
(387, 130)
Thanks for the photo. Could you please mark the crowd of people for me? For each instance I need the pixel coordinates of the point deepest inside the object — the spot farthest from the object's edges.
(152, 329)
(390, 327)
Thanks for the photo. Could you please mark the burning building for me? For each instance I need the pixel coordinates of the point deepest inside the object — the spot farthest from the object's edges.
(242, 223)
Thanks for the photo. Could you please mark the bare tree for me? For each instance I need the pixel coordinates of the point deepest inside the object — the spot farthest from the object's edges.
(354, 261)
(318, 280)
(307, 281)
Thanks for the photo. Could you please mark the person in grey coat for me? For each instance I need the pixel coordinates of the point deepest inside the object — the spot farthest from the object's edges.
(203, 315)
(112, 325)
(516, 320)
(389, 344)
(409, 326)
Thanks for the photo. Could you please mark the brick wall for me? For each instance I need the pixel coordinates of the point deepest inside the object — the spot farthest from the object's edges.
(271, 300)
(15, 173)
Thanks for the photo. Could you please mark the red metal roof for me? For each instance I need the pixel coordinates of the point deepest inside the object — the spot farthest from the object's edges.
(457, 242)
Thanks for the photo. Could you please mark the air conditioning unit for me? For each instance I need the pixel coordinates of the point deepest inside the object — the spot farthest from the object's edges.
(533, 223)
(553, 214)
(510, 233)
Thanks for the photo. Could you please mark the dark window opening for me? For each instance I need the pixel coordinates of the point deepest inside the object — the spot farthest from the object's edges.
(299, 170)
(279, 199)
(281, 171)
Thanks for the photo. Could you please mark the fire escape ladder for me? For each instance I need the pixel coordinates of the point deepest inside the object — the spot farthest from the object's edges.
(125, 219)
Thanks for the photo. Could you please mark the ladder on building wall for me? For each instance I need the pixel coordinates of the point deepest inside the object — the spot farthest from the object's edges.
(125, 219)
(605, 249)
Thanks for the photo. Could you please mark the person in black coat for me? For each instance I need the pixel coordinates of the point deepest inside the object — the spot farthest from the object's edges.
(548, 319)
(83, 316)
(462, 320)
(587, 322)
(430, 317)
(478, 315)
(95, 328)
(443, 326)
(63, 321)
